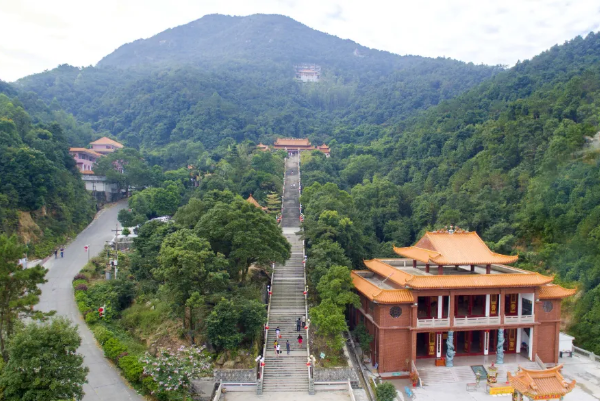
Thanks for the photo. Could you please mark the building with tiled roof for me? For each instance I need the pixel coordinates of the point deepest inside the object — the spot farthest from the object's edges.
(85, 159)
(450, 282)
(105, 145)
(255, 202)
(296, 145)
(546, 384)
(262, 147)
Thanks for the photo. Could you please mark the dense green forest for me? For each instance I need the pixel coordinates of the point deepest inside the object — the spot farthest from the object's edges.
(515, 159)
(42, 197)
(223, 78)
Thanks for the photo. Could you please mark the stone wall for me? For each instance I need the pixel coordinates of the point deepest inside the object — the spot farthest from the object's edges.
(336, 375)
(235, 375)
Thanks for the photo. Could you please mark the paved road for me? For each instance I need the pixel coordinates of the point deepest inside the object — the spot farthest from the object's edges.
(104, 380)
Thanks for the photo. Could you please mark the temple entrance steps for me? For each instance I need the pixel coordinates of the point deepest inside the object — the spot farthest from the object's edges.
(283, 372)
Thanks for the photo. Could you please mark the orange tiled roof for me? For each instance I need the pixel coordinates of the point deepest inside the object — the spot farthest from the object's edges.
(383, 269)
(402, 278)
(292, 142)
(458, 248)
(106, 141)
(87, 172)
(554, 291)
(378, 295)
(255, 202)
(84, 150)
(478, 281)
(541, 384)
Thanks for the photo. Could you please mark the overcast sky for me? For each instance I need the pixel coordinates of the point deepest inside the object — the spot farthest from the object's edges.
(40, 34)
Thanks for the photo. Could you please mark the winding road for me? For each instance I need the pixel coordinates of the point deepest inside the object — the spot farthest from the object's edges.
(104, 380)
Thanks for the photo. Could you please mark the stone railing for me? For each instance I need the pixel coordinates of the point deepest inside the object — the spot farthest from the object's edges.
(444, 322)
(519, 319)
(235, 376)
(476, 321)
(335, 375)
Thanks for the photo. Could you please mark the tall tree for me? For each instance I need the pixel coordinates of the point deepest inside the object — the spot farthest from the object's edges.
(19, 288)
(244, 234)
(43, 363)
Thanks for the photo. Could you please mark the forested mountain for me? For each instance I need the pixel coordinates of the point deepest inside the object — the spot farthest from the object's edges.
(233, 77)
(42, 197)
(515, 159)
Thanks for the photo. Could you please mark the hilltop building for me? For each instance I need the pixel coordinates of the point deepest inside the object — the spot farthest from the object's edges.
(105, 145)
(451, 296)
(262, 147)
(308, 72)
(296, 145)
(85, 159)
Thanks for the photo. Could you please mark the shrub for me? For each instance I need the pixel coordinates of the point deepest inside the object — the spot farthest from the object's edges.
(79, 282)
(83, 307)
(81, 276)
(385, 392)
(113, 348)
(102, 334)
(132, 368)
(91, 317)
(81, 297)
(148, 383)
(81, 287)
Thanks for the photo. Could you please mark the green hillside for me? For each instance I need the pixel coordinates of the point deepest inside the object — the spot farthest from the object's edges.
(233, 77)
(42, 197)
(515, 159)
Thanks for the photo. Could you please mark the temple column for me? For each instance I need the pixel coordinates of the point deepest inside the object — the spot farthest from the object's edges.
(414, 264)
(440, 270)
(450, 349)
(519, 304)
(488, 269)
(472, 268)
(451, 309)
(440, 307)
(500, 347)
(518, 345)
(455, 267)
(486, 342)
(426, 267)
(487, 305)
(438, 345)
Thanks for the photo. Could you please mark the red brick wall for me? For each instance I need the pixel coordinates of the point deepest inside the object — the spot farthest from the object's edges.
(394, 350)
(384, 319)
(546, 335)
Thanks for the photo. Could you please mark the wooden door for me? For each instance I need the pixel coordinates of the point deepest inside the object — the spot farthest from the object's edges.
(431, 344)
(511, 335)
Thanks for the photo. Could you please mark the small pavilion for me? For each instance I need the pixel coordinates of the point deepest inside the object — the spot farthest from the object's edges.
(255, 203)
(546, 384)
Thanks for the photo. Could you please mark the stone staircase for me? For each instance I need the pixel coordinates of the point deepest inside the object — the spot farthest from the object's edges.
(284, 372)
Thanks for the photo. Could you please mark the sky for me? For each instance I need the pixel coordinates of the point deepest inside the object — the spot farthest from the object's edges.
(36, 35)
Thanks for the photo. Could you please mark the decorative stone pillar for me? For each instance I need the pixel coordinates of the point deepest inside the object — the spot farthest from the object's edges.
(500, 347)
(450, 349)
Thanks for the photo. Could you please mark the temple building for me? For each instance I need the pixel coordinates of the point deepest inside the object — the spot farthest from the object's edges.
(105, 145)
(546, 384)
(451, 296)
(262, 147)
(308, 72)
(255, 203)
(296, 145)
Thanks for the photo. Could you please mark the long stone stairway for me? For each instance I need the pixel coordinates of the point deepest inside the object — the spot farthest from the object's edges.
(285, 372)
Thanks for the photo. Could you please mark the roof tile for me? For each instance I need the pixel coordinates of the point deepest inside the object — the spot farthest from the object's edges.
(378, 295)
